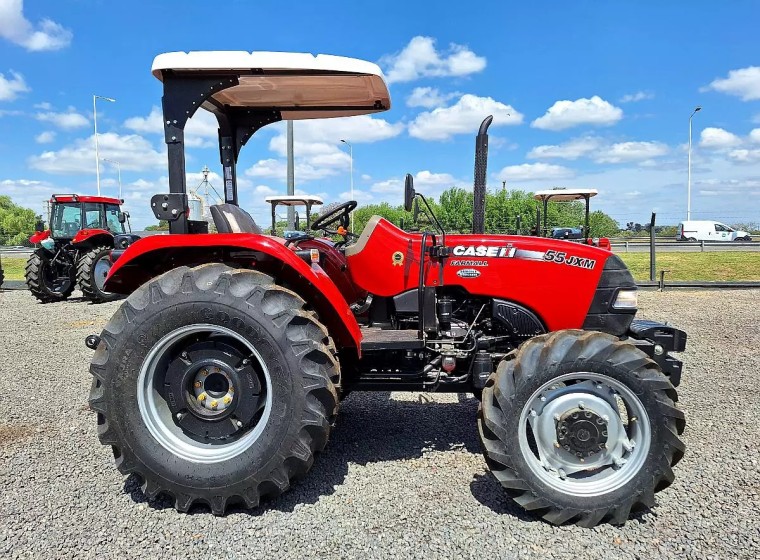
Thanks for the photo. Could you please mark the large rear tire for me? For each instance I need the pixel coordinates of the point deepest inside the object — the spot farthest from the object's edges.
(214, 386)
(581, 428)
(49, 282)
(92, 270)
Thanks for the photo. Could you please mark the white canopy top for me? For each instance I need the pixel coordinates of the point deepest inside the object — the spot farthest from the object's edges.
(295, 200)
(308, 85)
(565, 195)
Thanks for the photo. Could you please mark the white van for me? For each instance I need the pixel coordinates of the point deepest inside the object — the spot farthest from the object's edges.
(707, 230)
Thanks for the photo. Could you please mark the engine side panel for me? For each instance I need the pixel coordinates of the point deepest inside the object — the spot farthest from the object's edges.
(554, 278)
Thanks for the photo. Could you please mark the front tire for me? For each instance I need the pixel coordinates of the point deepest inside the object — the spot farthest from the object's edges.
(49, 282)
(92, 270)
(581, 428)
(214, 386)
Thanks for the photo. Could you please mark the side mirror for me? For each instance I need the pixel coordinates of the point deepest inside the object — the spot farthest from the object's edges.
(408, 192)
(39, 227)
(122, 217)
(296, 221)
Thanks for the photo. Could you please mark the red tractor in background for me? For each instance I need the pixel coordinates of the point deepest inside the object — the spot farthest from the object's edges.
(219, 379)
(76, 248)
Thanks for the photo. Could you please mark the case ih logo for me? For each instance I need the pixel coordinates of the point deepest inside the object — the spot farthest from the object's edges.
(483, 251)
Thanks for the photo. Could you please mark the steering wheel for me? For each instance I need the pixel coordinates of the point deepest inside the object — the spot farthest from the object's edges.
(339, 215)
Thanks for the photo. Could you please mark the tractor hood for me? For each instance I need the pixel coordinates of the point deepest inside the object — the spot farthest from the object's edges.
(298, 85)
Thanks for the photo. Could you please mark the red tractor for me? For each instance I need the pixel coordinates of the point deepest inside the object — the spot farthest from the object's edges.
(76, 249)
(220, 377)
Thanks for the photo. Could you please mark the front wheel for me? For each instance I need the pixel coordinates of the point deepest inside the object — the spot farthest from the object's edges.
(214, 386)
(581, 427)
(92, 270)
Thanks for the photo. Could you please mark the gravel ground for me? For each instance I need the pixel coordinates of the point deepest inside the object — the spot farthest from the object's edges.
(402, 476)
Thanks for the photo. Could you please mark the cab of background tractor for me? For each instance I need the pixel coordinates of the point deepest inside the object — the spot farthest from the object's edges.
(71, 214)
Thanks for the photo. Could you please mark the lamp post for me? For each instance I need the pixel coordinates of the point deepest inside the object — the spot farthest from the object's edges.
(118, 170)
(351, 157)
(95, 120)
(688, 187)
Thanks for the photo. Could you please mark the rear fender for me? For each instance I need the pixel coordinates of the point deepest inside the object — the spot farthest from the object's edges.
(93, 237)
(151, 256)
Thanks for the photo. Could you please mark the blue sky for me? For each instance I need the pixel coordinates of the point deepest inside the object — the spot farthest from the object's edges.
(584, 94)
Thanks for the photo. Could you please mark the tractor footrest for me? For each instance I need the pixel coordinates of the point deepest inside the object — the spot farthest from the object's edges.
(374, 339)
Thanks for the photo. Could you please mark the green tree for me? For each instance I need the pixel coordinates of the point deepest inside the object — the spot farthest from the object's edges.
(163, 225)
(16, 223)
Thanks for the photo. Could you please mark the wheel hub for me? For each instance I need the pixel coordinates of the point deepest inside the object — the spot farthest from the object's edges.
(213, 388)
(582, 432)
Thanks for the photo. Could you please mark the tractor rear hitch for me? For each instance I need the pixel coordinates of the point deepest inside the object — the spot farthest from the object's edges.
(92, 341)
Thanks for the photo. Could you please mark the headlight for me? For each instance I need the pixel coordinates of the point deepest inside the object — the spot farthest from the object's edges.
(626, 300)
(48, 244)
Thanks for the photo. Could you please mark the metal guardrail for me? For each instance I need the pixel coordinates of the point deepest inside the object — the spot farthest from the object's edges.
(685, 246)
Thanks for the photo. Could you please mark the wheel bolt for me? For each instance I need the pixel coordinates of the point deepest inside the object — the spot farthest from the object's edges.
(238, 423)
(202, 397)
(197, 384)
(227, 399)
(556, 444)
(214, 404)
(533, 413)
(562, 474)
(179, 416)
(581, 405)
(557, 417)
(204, 372)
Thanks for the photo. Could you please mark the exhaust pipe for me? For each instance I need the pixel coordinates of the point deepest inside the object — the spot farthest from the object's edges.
(481, 168)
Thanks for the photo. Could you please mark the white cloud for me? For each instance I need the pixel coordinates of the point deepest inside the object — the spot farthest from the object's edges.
(744, 83)
(357, 130)
(744, 155)
(277, 169)
(47, 35)
(421, 59)
(624, 152)
(572, 149)
(534, 172)
(132, 151)
(360, 196)
(566, 114)
(68, 120)
(718, 139)
(754, 136)
(425, 181)
(638, 96)
(13, 85)
(201, 130)
(44, 106)
(45, 137)
(429, 97)
(29, 193)
(463, 117)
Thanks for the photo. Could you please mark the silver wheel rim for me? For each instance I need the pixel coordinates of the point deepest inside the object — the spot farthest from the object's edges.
(102, 266)
(159, 419)
(625, 422)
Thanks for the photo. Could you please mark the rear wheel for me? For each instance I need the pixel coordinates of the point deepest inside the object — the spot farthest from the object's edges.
(49, 280)
(92, 270)
(581, 427)
(214, 386)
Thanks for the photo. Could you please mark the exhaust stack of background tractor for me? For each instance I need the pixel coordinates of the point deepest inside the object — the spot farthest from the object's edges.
(481, 168)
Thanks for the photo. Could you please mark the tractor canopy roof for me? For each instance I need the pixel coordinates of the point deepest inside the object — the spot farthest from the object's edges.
(298, 85)
(84, 198)
(564, 195)
(295, 200)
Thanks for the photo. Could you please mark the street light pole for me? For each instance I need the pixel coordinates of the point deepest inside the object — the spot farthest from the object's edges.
(118, 170)
(688, 187)
(351, 158)
(95, 120)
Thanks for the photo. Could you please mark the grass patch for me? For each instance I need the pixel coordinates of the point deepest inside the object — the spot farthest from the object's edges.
(717, 267)
(13, 267)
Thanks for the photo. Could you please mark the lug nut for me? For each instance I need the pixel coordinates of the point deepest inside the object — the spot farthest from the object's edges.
(204, 372)
(557, 417)
(581, 405)
(238, 423)
(214, 404)
(179, 416)
(227, 399)
(197, 384)
(556, 444)
(562, 474)
(202, 397)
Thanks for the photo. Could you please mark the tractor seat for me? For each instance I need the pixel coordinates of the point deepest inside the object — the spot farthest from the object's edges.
(229, 218)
